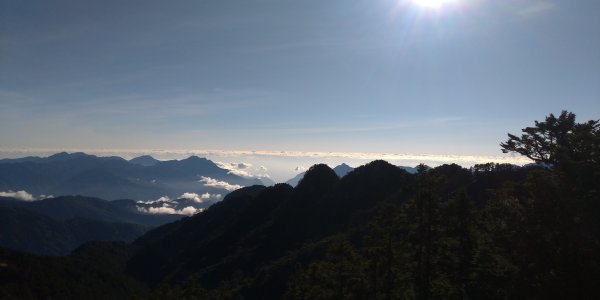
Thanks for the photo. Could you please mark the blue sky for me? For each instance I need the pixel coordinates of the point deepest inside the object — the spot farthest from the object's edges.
(382, 76)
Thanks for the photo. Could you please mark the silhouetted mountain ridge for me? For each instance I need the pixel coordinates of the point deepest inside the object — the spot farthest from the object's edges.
(68, 207)
(26, 230)
(267, 225)
(341, 171)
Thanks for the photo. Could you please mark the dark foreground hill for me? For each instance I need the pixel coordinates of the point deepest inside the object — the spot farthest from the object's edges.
(340, 170)
(489, 232)
(94, 271)
(68, 207)
(26, 230)
(243, 233)
(56, 226)
(492, 232)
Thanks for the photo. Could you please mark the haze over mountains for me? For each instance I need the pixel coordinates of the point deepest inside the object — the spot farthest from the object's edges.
(151, 193)
(142, 178)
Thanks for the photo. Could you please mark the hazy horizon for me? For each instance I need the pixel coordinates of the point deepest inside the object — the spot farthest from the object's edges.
(279, 166)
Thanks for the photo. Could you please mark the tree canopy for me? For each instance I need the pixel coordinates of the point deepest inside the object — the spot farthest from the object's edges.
(557, 140)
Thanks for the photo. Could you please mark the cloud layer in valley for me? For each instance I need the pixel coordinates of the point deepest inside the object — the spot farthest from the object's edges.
(186, 204)
(20, 195)
(246, 170)
(211, 182)
(188, 211)
(200, 198)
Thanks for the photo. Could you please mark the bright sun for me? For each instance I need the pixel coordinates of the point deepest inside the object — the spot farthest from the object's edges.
(432, 3)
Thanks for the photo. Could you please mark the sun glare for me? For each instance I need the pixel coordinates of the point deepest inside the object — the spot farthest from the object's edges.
(432, 3)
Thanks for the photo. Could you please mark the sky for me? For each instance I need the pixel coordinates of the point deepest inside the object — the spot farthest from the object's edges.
(360, 76)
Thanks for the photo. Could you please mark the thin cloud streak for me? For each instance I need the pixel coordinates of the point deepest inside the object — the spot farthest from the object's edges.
(536, 8)
(289, 129)
(176, 104)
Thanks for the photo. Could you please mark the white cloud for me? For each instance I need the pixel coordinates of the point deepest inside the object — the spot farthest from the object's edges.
(193, 196)
(260, 176)
(157, 210)
(161, 199)
(300, 169)
(168, 206)
(224, 165)
(263, 168)
(21, 195)
(231, 166)
(238, 169)
(200, 198)
(241, 173)
(207, 181)
(190, 210)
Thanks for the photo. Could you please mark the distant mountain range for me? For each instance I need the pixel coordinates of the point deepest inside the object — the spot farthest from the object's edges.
(164, 191)
(142, 178)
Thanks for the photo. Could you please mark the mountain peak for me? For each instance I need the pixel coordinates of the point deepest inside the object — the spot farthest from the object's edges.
(194, 158)
(198, 161)
(144, 160)
(342, 170)
(319, 177)
(61, 156)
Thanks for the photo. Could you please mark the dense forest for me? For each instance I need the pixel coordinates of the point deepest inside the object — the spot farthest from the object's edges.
(494, 231)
